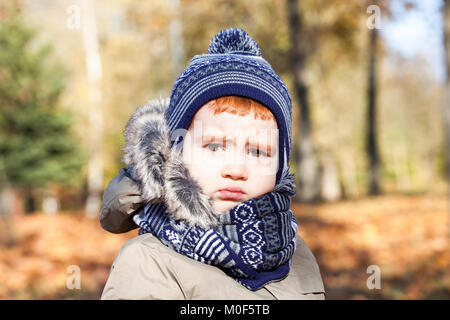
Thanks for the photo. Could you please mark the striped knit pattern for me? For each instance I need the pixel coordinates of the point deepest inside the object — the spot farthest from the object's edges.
(232, 66)
(253, 244)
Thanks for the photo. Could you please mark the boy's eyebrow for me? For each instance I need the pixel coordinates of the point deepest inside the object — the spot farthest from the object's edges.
(217, 137)
(220, 137)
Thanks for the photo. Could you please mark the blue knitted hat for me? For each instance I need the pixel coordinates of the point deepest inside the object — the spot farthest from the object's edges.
(233, 66)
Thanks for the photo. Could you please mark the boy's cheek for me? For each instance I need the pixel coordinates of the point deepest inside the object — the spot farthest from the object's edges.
(192, 155)
(264, 166)
(263, 173)
(200, 161)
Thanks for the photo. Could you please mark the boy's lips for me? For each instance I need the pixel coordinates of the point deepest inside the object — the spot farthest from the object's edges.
(231, 193)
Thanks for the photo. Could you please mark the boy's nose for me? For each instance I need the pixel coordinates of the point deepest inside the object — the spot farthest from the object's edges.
(235, 171)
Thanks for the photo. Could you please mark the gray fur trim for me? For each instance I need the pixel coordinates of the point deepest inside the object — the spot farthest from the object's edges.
(146, 148)
(160, 171)
(184, 197)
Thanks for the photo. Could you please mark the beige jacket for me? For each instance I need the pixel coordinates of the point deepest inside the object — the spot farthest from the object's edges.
(144, 268)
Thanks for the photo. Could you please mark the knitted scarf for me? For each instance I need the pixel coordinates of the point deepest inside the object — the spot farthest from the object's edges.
(253, 242)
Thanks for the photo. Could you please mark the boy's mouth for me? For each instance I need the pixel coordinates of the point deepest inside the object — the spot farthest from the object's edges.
(231, 193)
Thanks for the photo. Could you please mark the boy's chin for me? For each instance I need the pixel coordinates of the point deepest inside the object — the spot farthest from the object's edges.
(222, 206)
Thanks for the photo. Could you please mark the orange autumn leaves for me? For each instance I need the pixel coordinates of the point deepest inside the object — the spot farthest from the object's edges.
(36, 266)
(406, 236)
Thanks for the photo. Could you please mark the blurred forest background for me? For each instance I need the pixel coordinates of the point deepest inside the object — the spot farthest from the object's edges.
(371, 131)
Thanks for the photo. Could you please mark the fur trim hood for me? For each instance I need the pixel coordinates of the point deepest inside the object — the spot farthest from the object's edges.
(159, 169)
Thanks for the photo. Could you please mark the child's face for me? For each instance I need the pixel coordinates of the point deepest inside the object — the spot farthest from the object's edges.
(233, 158)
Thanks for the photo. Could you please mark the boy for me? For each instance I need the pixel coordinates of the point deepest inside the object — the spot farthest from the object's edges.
(212, 187)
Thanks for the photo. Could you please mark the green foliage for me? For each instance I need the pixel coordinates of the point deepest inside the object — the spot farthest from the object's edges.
(37, 147)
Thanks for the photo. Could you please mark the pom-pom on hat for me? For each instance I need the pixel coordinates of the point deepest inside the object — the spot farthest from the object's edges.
(233, 66)
(233, 41)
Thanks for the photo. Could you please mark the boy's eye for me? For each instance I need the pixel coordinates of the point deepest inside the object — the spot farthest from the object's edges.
(214, 147)
(257, 153)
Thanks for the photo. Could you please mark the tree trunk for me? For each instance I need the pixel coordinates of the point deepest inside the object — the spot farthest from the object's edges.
(94, 72)
(331, 188)
(445, 109)
(371, 135)
(308, 168)
(50, 205)
(30, 201)
(7, 230)
(176, 39)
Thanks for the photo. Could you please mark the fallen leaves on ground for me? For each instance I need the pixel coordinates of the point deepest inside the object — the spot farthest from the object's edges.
(37, 265)
(405, 236)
